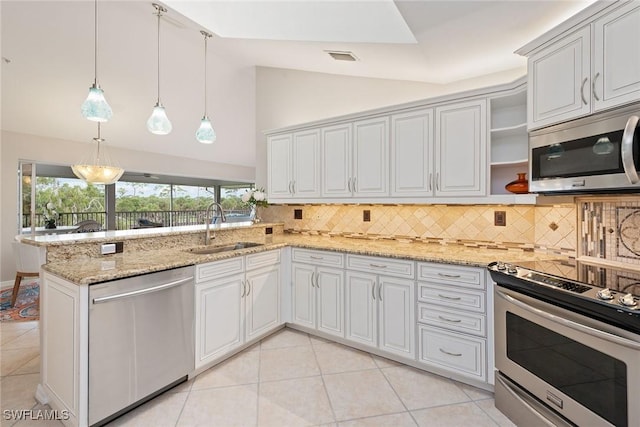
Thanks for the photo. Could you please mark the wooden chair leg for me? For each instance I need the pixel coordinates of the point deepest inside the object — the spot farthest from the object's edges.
(16, 288)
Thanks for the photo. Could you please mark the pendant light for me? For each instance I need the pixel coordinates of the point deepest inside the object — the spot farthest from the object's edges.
(99, 169)
(205, 133)
(158, 122)
(95, 107)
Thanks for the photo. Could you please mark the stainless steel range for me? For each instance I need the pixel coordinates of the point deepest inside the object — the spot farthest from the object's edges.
(567, 337)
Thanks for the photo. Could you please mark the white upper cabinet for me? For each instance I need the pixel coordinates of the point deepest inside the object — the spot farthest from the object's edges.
(306, 164)
(412, 154)
(279, 166)
(559, 78)
(461, 149)
(594, 68)
(371, 157)
(336, 160)
(616, 78)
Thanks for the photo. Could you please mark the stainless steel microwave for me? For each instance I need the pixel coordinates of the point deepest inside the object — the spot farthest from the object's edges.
(595, 154)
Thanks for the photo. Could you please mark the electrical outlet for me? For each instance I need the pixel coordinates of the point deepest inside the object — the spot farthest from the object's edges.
(500, 218)
(366, 215)
(297, 214)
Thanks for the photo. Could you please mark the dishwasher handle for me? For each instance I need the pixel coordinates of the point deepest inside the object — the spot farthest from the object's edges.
(142, 291)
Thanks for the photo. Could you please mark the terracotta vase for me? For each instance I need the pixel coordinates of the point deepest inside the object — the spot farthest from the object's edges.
(519, 186)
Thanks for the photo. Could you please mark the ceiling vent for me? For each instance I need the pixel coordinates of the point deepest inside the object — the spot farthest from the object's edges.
(339, 55)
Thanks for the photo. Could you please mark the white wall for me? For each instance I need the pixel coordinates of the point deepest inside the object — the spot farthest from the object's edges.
(15, 147)
(290, 97)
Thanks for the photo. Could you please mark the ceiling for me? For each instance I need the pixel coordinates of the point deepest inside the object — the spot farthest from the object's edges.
(49, 50)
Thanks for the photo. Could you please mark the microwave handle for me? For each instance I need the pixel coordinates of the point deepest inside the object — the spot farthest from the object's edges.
(627, 150)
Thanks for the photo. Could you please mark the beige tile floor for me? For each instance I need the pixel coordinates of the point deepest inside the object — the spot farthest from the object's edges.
(288, 379)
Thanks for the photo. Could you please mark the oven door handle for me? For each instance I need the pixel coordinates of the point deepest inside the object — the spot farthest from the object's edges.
(569, 323)
(626, 151)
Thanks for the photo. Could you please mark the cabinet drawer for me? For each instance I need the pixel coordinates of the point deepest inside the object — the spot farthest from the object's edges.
(386, 266)
(331, 259)
(462, 276)
(213, 270)
(472, 323)
(452, 296)
(263, 259)
(460, 353)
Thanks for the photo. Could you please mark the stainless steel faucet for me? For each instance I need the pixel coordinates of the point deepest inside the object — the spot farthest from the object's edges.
(208, 218)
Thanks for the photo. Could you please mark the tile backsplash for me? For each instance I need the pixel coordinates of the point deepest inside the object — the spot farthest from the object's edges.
(610, 229)
(549, 228)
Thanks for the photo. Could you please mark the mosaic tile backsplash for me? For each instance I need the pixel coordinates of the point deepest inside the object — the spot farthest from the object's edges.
(610, 229)
(548, 228)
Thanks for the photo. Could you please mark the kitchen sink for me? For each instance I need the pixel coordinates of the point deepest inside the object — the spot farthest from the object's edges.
(222, 248)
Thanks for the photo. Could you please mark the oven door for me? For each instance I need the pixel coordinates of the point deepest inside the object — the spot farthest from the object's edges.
(586, 371)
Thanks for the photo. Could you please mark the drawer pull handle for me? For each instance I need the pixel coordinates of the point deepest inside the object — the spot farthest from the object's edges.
(450, 276)
(449, 320)
(449, 353)
(378, 265)
(315, 257)
(451, 298)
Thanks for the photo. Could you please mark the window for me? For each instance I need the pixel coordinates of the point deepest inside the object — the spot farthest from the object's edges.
(138, 200)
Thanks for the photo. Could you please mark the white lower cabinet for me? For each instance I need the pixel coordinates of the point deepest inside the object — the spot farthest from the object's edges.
(236, 300)
(318, 290)
(380, 309)
(452, 320)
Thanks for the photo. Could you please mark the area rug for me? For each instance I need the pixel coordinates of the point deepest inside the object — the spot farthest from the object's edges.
(27, 305)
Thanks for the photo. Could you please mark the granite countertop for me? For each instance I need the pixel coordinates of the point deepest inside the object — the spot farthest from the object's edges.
(94, 270)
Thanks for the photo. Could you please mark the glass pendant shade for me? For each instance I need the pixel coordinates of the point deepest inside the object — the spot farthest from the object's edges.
(95, 107)
(99, 169)
(98, 174)
(205, 133)
(158, 122)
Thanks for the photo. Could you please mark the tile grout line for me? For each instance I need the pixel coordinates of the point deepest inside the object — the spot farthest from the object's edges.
(259, 382)
(397, 395)
(324, 385)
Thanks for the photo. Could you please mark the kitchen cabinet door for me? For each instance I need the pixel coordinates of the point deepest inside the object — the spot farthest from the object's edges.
(306, 164)
(371, 157)
(559, 80)
(304, 312)
(330, 300)
(262, 301)
(279, 165)
(336, 161)
(396, 301)
(360, 301)
(219, 316)
(616, 60)
(412, 154)
(461, 149)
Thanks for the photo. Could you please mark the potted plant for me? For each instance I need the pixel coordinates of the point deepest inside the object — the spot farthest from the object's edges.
(50, 216)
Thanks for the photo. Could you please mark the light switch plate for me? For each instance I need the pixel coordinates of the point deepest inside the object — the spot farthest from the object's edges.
(108, 248)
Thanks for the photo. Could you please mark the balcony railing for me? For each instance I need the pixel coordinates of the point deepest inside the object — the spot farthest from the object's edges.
(128, 220)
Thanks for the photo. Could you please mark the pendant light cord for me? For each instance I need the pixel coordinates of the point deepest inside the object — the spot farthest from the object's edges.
(206, 36)
(159, 9)
(98, 140)
(95, 43)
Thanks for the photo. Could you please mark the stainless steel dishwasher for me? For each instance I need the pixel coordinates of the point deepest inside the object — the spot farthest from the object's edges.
(140, 339)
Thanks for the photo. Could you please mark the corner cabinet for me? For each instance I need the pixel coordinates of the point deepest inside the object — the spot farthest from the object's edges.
(294, 165)
(236, 300)
(461, 149)
(571, 77)
(318, 290)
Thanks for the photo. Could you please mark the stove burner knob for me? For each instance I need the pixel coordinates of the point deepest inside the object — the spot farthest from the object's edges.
(605, 294)
(501, 266)
(512, 269)
(628, 300)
